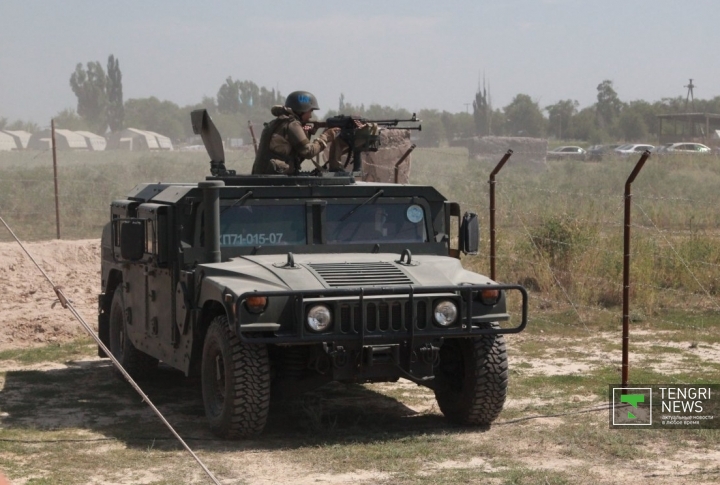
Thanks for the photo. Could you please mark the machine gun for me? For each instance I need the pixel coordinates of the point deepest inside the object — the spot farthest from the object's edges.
(360, 134)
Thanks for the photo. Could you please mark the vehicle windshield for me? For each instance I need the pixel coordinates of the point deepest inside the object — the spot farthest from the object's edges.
(263, 225)
(374, 223)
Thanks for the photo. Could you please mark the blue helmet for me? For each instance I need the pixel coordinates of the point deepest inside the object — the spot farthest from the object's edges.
(301, 101)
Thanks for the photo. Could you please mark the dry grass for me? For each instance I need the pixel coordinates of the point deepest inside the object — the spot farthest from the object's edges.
(65, 419)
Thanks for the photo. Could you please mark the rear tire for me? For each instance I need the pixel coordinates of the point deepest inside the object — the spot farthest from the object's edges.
(472, 379)
(135, 362)
(235, 383)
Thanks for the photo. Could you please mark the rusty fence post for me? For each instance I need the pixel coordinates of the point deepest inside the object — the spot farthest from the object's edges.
(57, 201)
(402, 159)
(491, 181)
(626, 270)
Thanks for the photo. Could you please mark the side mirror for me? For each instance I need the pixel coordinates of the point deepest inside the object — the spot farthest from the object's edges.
(470, 233)
(132, 239)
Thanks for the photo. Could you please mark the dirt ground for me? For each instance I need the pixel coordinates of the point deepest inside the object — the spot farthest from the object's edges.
(529, 443)
(29, 312)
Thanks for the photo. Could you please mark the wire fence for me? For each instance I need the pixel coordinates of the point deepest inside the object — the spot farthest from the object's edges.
(559, 231)
(560, 234)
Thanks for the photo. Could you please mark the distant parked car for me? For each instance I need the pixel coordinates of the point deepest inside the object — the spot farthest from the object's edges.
(686, 148)
(569, 152)
(597, 152)
(631, 148)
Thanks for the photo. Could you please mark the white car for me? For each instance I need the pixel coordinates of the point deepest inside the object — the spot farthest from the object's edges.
(631, 148)
(567, 152)
(686, 148)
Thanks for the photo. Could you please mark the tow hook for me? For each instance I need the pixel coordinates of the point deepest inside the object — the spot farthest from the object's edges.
(338, 355)
(429, 354)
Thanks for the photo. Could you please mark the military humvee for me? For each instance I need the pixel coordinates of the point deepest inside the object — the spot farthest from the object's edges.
(277, 284)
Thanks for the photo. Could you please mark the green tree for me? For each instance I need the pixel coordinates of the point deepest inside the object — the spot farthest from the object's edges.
(164, 117)
(632, 125)
(560, 117)
(482, 112)
(646, 112)
(584, 126)
(68, 119)
(524, 117)
(608, 105)
(89, 85)
(341, 103)
(20, 125)
(269, 98)
(249, 95)
(115, 108)
(228, 97)
(498, 122)
(433, 131)
(458, 125)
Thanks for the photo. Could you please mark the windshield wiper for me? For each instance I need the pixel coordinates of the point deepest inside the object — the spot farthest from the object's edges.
(242, 199)
(372, 198)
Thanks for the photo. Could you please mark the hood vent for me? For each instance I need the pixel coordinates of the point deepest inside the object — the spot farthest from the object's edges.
(341, 275)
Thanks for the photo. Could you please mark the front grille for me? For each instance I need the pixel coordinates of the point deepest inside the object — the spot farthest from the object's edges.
(344, 275)
(381, 317)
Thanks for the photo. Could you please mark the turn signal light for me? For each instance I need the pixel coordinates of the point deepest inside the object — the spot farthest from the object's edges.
(256, 304)
(489, 297)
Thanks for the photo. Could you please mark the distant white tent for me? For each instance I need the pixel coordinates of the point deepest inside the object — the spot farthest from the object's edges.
(134, 139)
(21, 138)
(94, 142)
(7, 142)
(64, 139)
(163, 141)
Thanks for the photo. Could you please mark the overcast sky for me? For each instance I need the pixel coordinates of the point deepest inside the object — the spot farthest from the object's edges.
(411, 54)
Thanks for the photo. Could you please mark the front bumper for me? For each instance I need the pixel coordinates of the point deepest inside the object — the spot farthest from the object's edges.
(383, 315)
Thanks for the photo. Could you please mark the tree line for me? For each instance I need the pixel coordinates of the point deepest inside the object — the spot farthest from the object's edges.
(101, 108)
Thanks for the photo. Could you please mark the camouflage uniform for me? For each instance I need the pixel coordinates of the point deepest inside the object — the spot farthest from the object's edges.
(284, 144)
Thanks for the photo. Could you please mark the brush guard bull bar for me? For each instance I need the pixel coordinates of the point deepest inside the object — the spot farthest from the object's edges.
(466, 324)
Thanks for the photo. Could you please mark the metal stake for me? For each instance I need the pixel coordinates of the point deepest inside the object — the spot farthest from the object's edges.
(626, 271)
(499, 166)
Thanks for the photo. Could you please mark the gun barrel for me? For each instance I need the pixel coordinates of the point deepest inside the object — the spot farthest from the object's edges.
(416, 128)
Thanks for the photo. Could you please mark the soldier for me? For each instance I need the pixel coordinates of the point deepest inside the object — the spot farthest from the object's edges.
(285, 141)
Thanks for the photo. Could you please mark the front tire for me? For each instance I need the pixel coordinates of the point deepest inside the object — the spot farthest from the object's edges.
(135, 362)
(235, 383)
(472, 379)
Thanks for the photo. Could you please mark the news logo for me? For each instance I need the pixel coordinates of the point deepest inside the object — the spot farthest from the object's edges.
(631, 406)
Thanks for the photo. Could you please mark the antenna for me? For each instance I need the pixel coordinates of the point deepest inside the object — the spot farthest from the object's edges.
(690, 97)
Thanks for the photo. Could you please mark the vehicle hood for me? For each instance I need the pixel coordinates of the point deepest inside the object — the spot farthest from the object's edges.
(342, 270)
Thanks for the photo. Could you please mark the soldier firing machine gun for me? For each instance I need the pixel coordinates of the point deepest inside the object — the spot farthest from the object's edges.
(356, 132)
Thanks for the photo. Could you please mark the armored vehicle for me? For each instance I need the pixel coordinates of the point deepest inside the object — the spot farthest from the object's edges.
(276, 285)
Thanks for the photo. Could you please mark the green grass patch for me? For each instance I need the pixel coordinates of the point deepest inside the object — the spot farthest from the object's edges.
(80, 348)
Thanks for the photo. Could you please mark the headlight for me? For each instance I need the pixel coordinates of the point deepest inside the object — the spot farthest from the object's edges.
(489, 297)
(319, 318)
(445, 313)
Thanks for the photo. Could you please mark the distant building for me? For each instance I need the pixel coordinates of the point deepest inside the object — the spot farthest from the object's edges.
(95, 143)
(21, 138)
(64, 140)
(680, 127)
(134, 139)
